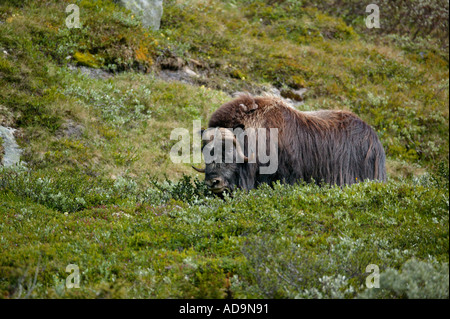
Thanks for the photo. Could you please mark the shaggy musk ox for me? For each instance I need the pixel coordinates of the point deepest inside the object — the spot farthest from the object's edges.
(334, 147)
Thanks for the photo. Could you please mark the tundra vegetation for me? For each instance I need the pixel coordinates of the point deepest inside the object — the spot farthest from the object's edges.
(93, 117)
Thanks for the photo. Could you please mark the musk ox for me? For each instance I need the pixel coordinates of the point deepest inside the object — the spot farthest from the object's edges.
(327, 146)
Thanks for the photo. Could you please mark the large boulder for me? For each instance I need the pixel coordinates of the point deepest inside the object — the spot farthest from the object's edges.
(149, 11)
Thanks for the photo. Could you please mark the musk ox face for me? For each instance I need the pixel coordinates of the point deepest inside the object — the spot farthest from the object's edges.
(221, 177)
(223, 157)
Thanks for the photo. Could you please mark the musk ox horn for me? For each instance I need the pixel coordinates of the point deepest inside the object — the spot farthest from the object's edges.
(200, 170)
(239, 151)
(228, 135)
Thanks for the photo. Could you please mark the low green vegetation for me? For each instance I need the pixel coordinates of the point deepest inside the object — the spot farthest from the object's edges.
(100, 191)
(174, 240)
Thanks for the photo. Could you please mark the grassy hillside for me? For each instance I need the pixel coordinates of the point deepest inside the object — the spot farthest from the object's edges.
(94, 111)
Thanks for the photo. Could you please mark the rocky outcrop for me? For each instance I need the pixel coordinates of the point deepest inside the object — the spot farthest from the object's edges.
(11, 151)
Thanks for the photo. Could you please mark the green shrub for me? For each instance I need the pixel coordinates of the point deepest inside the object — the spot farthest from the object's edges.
(73, 191)
(282, 269)
(186, 190)
(67, 192)
(416, 280)
(412, 18)
(300, 241)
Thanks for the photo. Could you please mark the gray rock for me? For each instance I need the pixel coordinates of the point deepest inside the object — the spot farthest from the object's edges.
(190, 72)
(91, 72)
(185, 75)
(149, 11)
(71, 129)
(12, 152)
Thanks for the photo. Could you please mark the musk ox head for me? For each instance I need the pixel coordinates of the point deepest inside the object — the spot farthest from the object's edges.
(224, 157)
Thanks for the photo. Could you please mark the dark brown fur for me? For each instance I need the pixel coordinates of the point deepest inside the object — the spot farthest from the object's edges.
(334, 147)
